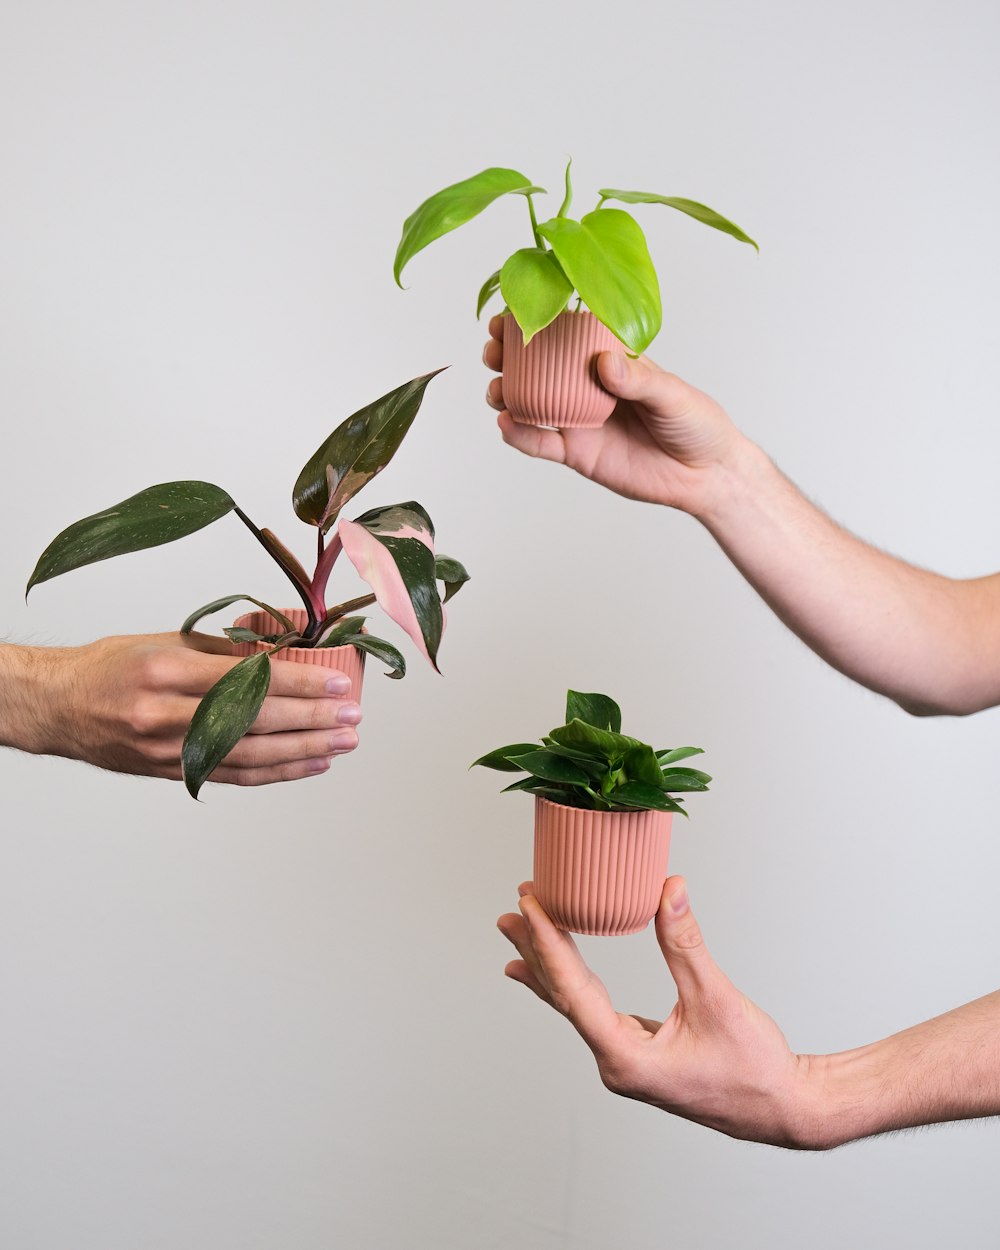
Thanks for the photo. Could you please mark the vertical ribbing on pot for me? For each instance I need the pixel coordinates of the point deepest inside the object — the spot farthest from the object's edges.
(600, 872)
(347, 660)
(553, 381)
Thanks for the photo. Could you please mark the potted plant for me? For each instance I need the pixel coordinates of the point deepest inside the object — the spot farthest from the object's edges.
(391, 547)
(581, 288)
(604, 803)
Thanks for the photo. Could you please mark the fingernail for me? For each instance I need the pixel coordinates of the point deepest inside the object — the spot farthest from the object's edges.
(343, 740)
(319, 766)
(678, 901)
(522, 890)
(340, 683)
(349, 714)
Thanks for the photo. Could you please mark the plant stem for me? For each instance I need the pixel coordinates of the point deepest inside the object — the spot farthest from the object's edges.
(600, 202)
(289, 566)
(345, 609)
(539, 241)
(324, 567)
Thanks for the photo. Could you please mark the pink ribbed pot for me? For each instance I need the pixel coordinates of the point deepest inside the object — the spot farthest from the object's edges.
(600, 872)
(348, 660)
(553, 381)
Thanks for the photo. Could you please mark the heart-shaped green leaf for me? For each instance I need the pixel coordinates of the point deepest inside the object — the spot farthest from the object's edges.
(393, 550)
(640, 765)
(606, 258)
(678, 753)
(218, 604)
(355, 452)
(501, 758)
(700, 212)
(551, 767)
(579, 734)
(222, 718)
(594, 709)
(453, 207)
(451, 573)
(646, 798)
(160, 514)
(487, 291)
(535, 289)
(673, 783)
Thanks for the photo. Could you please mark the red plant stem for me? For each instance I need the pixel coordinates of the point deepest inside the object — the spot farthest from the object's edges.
(345, 609)
(324, 567)
(315, 607)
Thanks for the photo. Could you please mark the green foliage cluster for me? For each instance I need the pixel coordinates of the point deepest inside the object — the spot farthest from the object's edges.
(602, 258)
(590, 763)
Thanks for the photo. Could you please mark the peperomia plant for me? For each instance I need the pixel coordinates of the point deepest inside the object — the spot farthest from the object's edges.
(590, 763)
(602, 258)
(391, 547)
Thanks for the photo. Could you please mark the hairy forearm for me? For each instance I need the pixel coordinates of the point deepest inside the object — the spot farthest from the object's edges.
(945, 1069)
(929, 642)
(28, 679)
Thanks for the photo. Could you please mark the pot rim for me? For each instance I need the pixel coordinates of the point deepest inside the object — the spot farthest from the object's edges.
(631, 811)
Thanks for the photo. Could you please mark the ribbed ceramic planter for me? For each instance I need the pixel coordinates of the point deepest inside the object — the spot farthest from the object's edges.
(553, 381)
(600, 872)
(348, 660)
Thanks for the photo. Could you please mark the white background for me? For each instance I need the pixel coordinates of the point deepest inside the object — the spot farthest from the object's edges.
(277, 1019)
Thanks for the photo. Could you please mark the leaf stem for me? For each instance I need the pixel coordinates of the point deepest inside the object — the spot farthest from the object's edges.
(287, 563)
(345, 609)
(324, 566)
(539, 241)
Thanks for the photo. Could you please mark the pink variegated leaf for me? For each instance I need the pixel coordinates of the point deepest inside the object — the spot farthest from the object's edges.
(393, 550)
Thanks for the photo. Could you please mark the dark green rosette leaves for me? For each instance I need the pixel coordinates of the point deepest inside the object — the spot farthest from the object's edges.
(355, 452)
(160, 514)
(222, 718)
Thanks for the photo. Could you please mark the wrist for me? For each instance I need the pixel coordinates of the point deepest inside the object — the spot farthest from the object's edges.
(732, 484)
(840, 1099)
(32, 682)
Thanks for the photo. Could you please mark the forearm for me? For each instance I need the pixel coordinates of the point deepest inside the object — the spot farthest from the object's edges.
(945, 1069)
(929, 642)
(28, 680)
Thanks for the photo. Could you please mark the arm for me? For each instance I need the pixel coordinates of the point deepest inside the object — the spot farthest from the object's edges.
(125, 704)
(718, 1060)
(930, 643)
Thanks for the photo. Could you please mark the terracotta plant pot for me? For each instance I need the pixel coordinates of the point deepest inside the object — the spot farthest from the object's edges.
(348, 660)
(600, 872)
(553, 381)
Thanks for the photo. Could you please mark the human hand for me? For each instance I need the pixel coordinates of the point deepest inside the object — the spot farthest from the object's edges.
(666, 442)
(717, 1059)
(125, 703)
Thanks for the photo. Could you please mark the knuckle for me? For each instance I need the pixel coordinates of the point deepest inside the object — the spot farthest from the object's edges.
(145, 716)
(619, 1076)
(688, 937)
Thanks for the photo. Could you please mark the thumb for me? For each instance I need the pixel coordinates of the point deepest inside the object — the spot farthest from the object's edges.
(695, 972)
(641, 381)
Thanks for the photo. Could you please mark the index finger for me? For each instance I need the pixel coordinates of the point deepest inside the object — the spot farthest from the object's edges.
(575, 990)
(194, 671)
(496, 327)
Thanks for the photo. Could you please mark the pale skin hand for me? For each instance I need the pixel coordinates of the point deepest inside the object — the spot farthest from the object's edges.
(125, 703)
(718, 1060)
(930, 643)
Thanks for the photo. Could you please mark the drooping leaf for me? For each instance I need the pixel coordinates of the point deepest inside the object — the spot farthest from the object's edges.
(335, 634)
(594, 709)
(500, 759)
(606, 258)
(487, 291)
(452, 573)
(381, 650)
(453, 207)
(578, 733)
(157, 515)
(535, 289)
(393, 550)
(355, 452)
(218, 604)
(678, 753)
(674, 783)
(700, 212)
(222, 718)
(694, 773)
(236, 633)
(552, 767)
(646, 798)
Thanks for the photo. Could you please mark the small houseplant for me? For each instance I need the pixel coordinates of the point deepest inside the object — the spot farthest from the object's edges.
(551, 342)
(392, 549)
(604, 803)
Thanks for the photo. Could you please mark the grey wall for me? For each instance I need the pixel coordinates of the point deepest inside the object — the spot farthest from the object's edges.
(278, 1018)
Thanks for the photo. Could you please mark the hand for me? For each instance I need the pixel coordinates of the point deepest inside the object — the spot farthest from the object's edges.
(665, 442)
(125, 704)
(717, 1059)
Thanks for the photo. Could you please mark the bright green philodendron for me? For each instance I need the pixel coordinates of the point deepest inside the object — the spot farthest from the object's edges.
(391, 547)
(602, 259)
(590, 763)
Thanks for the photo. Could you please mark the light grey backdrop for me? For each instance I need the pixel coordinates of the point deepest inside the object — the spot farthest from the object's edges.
(278, 1018)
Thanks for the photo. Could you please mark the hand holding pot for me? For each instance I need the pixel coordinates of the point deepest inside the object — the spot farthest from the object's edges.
(717, 1059)
(125, 703)
(666, 442)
